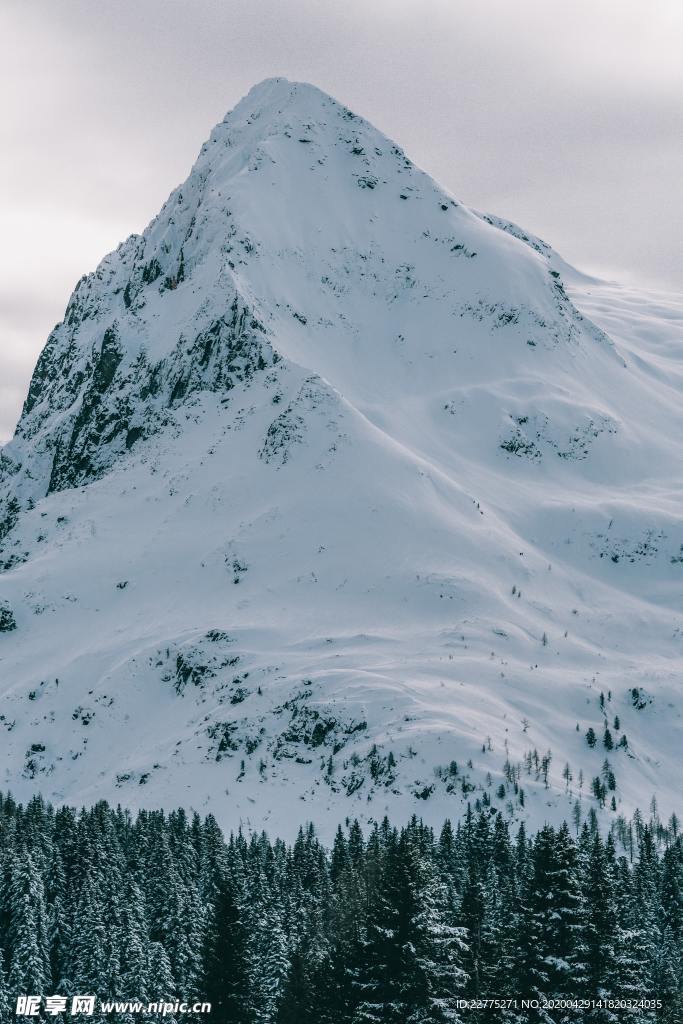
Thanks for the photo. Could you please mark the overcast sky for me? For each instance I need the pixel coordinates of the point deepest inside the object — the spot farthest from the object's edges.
(565, 117)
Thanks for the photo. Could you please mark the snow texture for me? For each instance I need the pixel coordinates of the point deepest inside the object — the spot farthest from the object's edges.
(332, 496)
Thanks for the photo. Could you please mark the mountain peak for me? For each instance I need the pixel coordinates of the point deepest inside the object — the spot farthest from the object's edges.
(293, 202)
(279, 90)
(280, 109)
(275, 94)
(274, 102)
(323, 481)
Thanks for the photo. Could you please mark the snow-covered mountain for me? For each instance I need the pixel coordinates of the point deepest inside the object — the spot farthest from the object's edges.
(326, 499)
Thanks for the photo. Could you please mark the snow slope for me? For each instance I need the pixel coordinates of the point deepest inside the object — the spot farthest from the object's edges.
(326, 499)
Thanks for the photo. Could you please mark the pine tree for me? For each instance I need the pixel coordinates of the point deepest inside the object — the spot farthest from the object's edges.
(134, 958)
(297, 1005)
(551, 936)
(601, 919)
(632, 971)
(411, 967)
(162, 984)
(379, 930)
(568, 912)
(58, 934)
(184, 936)
(647, 915)
(269, 957)
(332, 984)
(88, 965)
(438, 947)
(377, 975)
(226, 981)
(4, 992)
(669, 973)
(27, 939)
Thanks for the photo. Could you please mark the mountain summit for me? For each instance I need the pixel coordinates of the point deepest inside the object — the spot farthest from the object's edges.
(324, 490)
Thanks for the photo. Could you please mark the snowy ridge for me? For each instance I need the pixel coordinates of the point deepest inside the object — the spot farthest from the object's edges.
(325, 489)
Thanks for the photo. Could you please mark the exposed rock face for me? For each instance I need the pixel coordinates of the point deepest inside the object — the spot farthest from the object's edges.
(7, 620)
(108, 400)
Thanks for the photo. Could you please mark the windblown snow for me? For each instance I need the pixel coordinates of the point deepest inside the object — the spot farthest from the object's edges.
(326, 500)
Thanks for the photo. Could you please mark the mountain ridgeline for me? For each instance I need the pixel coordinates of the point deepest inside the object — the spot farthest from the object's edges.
(325, 490)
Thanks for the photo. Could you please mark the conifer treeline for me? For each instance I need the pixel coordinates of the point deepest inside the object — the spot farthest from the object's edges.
(394, 926)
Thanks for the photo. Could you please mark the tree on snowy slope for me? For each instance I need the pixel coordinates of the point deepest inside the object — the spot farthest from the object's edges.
(488, 907)
(438, 945)
(601, 922)
(380, 930)
(4, 993)
(227, 962)
(671, 962)
(26, 940)
(298, 1004)
(269, 954)
(411, 963)
(552, 924)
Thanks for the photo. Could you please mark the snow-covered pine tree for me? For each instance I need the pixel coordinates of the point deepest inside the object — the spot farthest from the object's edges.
(436, 946)
(133, 954)
(269, 955)
(4, 991)
(162, 983)
(551, 923)
(226, 981)
(567, 934)
(297, 1005)
(600, 888)
(27, 927)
